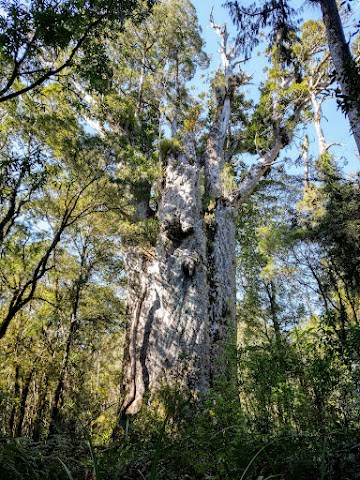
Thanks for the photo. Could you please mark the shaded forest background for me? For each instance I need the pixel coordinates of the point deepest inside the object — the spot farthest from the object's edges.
(90, 94)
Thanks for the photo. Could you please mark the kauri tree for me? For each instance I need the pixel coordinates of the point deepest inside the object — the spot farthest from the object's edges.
(182, 293)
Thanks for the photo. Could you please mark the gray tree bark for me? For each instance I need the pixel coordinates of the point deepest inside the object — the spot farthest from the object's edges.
(347, 73)
(167, 340)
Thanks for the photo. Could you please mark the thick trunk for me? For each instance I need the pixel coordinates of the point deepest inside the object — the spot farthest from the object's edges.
(222, 293)
(181, 300)
(167, 337)
(347, 72)
(221, 242)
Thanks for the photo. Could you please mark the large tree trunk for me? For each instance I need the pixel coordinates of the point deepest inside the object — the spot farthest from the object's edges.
(222, 294)
(221, 237)
(168, 335)
(347, 72)
(181, 300)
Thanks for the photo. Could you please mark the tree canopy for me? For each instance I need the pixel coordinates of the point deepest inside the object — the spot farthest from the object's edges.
(39, 40)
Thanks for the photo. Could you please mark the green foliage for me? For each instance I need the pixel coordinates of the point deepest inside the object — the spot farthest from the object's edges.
(288, 87)
(169, 147)
(24, 459)
(41, 39)
(74, 200)
(338, 229)
(295, 368)
(210, 440)
(251, 20)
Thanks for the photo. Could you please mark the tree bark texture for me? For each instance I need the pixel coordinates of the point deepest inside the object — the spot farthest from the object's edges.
(167, 339)
(222, 293)
(347, 73)
(181, 300)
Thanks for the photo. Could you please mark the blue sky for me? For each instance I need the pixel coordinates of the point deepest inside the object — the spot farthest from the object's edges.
(335, 125)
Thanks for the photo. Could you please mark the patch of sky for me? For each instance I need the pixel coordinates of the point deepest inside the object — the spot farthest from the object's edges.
(335, 125)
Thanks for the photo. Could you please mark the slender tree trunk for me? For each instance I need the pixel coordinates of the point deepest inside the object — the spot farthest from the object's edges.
(22, 406)
(40, 408)
(271, 293)
(74, 324)
(347, 73)
(14, 408)
(60, 386)
(305, 155)
(323, 147)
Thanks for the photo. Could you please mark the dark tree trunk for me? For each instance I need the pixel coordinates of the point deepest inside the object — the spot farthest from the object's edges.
(22, 406)
(40, 408)
(12, 419)
(74, 324)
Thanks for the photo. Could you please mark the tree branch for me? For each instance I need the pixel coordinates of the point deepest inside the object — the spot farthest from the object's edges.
(52, 72)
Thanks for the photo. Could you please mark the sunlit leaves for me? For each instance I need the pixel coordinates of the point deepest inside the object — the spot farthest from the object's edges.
(41, 39)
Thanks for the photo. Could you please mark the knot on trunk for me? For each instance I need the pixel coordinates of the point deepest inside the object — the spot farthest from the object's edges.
(187, 221)
(172, 227)
(178, 225)
(234, 81)
(189, 263)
